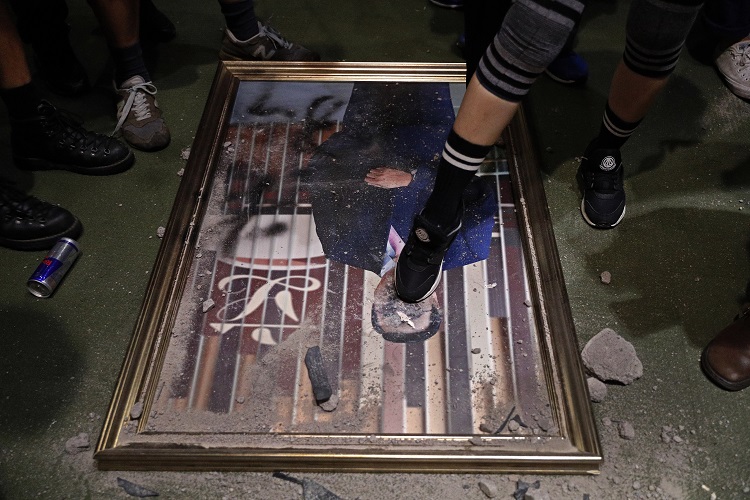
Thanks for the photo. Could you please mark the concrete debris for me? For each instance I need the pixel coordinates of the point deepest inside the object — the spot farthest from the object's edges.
(77, 444)
(331, 404)
(488, 488)
(597, 389)
(310, 489)
(317, 374)
(522, 487)
(606, 277)
(486, 428)
(136, 411)
(626, 430)
(208, 305)
(609, 357)
(185, 153)
(181, 172)
(476, 441)
(135, 490)
(160, 231)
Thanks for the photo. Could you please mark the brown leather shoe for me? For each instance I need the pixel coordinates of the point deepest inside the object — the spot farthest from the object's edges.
(726, 359)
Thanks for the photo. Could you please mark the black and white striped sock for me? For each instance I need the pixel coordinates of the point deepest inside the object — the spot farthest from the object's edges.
(460, 161)
(614, 131)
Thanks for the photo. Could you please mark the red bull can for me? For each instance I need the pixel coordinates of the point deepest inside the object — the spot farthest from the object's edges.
(53, 267)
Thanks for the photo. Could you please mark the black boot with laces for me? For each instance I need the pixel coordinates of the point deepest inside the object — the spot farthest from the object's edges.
(54, 140)
(27, 223)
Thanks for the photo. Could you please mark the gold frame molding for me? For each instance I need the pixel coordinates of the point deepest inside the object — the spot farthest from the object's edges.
(575, 450)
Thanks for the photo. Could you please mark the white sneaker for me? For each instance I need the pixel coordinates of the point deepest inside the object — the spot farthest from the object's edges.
(734, 66)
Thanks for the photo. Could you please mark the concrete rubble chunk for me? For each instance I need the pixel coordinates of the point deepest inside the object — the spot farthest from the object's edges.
(78, 443)
(626, 430)
(606, 277)
(488, 488)
(611, 358)
(597, 389)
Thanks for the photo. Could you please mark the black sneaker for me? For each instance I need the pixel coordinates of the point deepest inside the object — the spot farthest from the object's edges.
(267, 45)
(53, 140)
(601, 176)
(27, 223)
(420, 264)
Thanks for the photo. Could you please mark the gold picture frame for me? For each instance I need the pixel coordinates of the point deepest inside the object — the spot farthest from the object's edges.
(148, 428)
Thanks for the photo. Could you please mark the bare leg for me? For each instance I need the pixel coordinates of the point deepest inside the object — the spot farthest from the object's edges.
(631, 95)
(119, 20)
(483, 116)
(14, 69)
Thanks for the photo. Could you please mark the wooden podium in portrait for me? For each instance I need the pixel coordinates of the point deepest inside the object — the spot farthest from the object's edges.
(270, 338)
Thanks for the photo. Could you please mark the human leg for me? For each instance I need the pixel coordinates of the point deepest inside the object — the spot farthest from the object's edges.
(728, 21)
(139, 117)
(530, 37)
(656, 33)
(43, 24)
(248, 39)
(39, 137)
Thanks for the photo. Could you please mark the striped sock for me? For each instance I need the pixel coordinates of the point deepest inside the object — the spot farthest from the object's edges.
(459, 163)
(614, 131)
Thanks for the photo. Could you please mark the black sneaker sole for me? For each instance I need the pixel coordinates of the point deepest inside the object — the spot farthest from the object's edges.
(599, 226)
(42, 243)
(36, 164)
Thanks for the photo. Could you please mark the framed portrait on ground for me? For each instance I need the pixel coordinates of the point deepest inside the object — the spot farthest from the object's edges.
(270, 337)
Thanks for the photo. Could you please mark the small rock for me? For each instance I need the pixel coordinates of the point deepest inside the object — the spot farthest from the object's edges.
(208, 305)
(606, 277)
(606, 421)
(185, 153)
(240, 400)
(488, 488)
(160, 231)
(677, 439)
(476, 441)
(136, 410)
(181, 172)
(77, 444)
(597, 389)
(612, 358)
(486, 428)
(476, 350)
(331, 404)
(513, 426)
(626, 430)
(527, 303)
(636, 485)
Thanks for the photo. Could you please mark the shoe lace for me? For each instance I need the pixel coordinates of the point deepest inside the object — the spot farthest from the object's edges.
(274, 36)
(602, 182)
(137, 103)
(14, 203)
(70, 130)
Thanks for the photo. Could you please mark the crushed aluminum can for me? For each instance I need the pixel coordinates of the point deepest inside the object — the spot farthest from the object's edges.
(53, 267)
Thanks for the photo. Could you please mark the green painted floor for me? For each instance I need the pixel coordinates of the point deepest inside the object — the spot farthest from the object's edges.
(679, 265)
